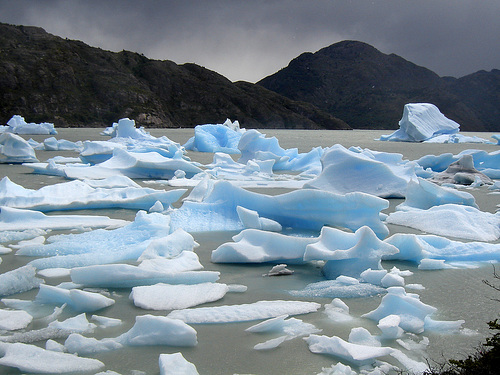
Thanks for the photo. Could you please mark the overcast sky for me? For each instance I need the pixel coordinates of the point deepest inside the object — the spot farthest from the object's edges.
(250, 39)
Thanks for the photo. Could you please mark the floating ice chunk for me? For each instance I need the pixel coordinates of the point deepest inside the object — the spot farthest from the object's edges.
(12, 236)
(373, 276)
(346, 253)
(54, 272)
(172, 297)
(76, 343)
(456, 138)
(19, 280)
(345, 171)
(443, 326)
(361, 336)
(185, 261)
(451, 220)
(176, 364)
(340, 288)
(18, 219)
(256, 246)
(461, 172)
(74, 195)
(215, 138)
(390, 327)
(11, 320)
(78, 300)
(77, 323)
(54, 346)
(279, 270)
(105, 322)
(251, 220)
(127, 276)
(338, 311)
(356, 354)
(424, 194)
(338, 369)
(158, 330)
(305, 208)
(271, 344)
(291, 327)
(437, 163)
(18, 125)
(32, 359)
(244, 312)
(169, 246)
(420, 122)
(53, 144)
(14, 149)
(95, 152)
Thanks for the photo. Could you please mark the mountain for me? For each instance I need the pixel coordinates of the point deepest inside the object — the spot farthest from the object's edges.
(368, 89)
(47, 78)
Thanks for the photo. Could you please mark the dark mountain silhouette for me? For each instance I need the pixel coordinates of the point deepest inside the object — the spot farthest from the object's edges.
(47, 78)
(368, 89)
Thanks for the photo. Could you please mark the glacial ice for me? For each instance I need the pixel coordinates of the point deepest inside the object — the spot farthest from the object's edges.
(216, 138)
(342, 287)
(11, 320)
(74, 195)
(421, 122)
(173, 297)
(381, 174)
(18, 125)
(451, 220)
(15, 150)
(462, 172)
(176, 364)
(54, 144)
(19, 280)
(32, 359)
(217, 209)
(244, 312)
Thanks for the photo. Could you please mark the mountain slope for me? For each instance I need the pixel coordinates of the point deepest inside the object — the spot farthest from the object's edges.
(46, 78)
(368, 88)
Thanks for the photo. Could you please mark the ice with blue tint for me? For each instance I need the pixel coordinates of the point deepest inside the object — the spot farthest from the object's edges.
(380, 174)
(418, 248)
(53, 144)
(348, 254)
(451, 220)
(19, 280)
(251, 220)
(14, 219)
(127, 276)
(338, 311)
(11, 320)
(74, 195)
(257, 246)
(172, 297)
(342, 287)
(424, 194)
(170, 246)
(421, 122)
(244, 312)
(78, 300)
(255, 146)
(216, 138)
(18, 125)
(176, 364)
(214, 208)
(22, 357)
(100, 246)
(462, 172)
(14, 149)
(456, 138)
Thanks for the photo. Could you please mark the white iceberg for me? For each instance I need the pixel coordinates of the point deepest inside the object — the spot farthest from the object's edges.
(18, 125)
(176, 364)
(19, 280)
(11, 320)
(342, 287)
(32, 359)
(244, 312)
(216, 138)
(14, 149)
(381, 174)
(451, 220)
(172, 297)
(420, 122)
(54, 144)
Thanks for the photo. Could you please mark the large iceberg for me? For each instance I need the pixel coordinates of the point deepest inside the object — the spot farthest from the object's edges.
(421, 122)
(14, 149)
(216, 138)
(18, 125)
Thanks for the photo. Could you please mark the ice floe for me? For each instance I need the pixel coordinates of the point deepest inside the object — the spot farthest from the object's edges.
(14, 149)
(18, 125)
(176, 364)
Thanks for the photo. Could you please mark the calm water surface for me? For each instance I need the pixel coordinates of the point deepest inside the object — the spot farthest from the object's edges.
(227, 348)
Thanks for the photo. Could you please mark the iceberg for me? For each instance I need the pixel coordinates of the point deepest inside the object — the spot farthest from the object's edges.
(19, 280)
(176, 364)
(54, 144)
(215, 209)
(18, 125)
(32, 359)
(342, 287)
(14, 149)
(243, 313)
(420, 122)
(172, 297)
(216, 138)
(462, 172)
(74, 195)
(451, 220)
(381, 174)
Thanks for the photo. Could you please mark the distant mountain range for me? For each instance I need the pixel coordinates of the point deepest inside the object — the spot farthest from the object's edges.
(368, 89)
(348, 84)
(47, 78)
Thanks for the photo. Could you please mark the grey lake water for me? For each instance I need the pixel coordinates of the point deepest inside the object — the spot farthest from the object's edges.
(227, 348)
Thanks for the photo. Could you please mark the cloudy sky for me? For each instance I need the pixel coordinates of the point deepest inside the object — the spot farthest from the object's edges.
(250, 39)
